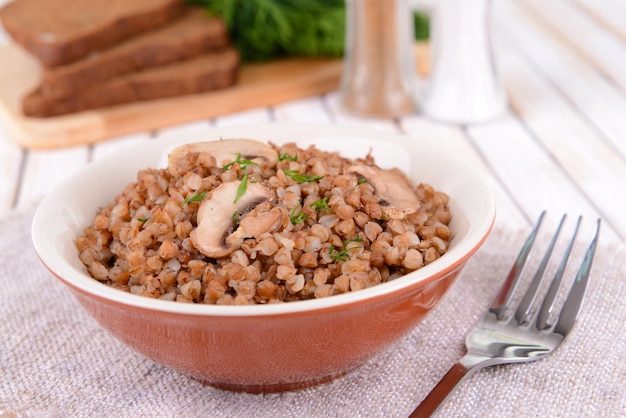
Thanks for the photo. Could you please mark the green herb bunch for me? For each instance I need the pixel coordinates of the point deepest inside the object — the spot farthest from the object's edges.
(265, 29)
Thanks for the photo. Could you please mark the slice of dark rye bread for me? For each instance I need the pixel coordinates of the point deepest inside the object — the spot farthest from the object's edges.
(192, 34)
(210, 71)
(58, 32)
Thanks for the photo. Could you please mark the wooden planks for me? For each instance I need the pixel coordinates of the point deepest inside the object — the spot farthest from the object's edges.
(553, 92)
(11, 158)
(583, 34)
(608, 13)
(44, 169)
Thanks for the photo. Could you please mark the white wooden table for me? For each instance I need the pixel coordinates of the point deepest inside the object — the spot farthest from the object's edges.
(561, 147)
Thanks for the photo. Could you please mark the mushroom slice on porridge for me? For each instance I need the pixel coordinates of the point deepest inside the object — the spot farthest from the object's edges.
(226, 219)
(224, 152)
(397, 198)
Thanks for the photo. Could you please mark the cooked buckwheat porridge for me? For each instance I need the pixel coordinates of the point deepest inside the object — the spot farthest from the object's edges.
(244, 222)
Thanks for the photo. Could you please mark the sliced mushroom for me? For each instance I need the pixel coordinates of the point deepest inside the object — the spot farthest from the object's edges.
(397, 198)
(216, 236)
(257, 223)
(224, 151)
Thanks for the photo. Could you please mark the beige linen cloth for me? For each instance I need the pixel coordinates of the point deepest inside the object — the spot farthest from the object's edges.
(55, 361)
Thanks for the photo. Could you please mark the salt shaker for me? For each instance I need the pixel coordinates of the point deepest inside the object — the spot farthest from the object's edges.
(379, 66)
(464, 85)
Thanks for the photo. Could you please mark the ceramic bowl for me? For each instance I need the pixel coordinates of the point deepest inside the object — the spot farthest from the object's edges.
(278, 347)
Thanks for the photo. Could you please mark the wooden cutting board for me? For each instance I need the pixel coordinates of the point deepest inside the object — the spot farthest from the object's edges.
(259, 85)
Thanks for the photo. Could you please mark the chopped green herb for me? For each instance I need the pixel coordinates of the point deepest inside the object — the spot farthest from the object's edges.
(196, 198)
(302, 178)
(361, 181)
(340, 255)
(320, 205)
(263, 30)
(235, 217)
(242, 163)
(243, 186)
(337, 255)
(143, 219)
(285, 156)
(356, 239)
(299, 217)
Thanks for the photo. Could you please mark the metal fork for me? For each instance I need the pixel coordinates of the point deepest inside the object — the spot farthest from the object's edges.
(500, 338)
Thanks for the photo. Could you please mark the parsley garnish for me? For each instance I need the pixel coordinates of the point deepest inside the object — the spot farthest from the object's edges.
(242, 163)
(302, 178)
(297, 218)
(143, 219)
(266, 30)
(285, 156)
(338, 255)
(320, 205)
(235, 217)
(348, 241)
(343, 254)
(361, 181)
(196, 198)
(243, 186)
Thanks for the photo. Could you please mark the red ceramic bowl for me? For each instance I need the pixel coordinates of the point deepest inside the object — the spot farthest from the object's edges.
(267, 348)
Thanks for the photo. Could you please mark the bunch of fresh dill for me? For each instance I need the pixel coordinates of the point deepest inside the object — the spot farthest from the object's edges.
(267, 29)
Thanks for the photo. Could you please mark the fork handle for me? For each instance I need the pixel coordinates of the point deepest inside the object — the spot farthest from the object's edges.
(440, 392)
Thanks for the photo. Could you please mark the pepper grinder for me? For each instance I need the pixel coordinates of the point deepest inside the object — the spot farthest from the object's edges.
(379, 74)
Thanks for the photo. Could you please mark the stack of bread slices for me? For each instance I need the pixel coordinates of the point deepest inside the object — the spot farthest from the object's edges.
(101, 53)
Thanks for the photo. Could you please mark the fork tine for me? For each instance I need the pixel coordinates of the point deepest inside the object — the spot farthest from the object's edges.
(501, 302)
(529, 298)
(548, 303)
(574, 300)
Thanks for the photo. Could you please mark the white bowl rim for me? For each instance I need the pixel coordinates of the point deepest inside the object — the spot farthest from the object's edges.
(82, 282)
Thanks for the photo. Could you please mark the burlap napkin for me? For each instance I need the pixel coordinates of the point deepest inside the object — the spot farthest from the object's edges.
(56, 361)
